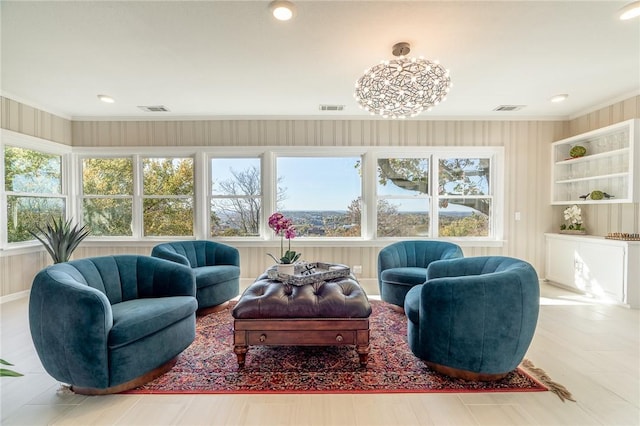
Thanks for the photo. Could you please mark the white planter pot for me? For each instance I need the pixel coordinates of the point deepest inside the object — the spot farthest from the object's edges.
(286, 268)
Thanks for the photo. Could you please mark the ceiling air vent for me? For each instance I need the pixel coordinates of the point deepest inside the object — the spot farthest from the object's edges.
(154, 108)
(509, 107)
(331, 107)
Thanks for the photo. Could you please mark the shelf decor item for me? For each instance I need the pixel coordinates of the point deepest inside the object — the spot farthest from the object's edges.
(573, 215)
(597, 195)
(577, 151)
(283, 227)
(622, 236)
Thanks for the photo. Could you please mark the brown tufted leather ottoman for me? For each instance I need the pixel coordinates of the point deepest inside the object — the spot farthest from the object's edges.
(334, 312)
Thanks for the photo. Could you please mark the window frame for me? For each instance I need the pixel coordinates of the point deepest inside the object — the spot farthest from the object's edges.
(376, 197)
(495, 224)
(229, 155)
(82, 196)
(143, 196)
(495, 154)
(20, 140)
(138, 154)
(324, 152)
(72, 185)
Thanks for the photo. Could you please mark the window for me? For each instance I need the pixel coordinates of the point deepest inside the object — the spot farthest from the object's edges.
(107, 202)
(236, 197)
(403, 200)
(33, 186)
(464, 197)
(364, 193)
(168, 196)
(322, 195)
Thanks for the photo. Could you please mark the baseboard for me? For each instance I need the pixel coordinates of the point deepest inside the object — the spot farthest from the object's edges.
(14, 296)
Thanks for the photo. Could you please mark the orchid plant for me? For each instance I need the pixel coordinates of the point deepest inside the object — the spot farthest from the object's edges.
(283, 227)
(573, 215)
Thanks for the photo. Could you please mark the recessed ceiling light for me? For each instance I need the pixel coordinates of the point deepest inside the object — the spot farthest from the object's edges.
(630, 11)
(559, 98)
(106, 98)
(282, 10)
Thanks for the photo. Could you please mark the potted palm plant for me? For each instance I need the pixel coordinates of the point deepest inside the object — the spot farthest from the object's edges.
(60, 238)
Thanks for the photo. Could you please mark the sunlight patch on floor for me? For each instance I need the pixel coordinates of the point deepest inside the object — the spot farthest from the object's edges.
(577, 299)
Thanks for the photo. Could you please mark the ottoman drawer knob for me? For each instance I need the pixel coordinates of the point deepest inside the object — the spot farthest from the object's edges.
(263, 337)
(339, 338)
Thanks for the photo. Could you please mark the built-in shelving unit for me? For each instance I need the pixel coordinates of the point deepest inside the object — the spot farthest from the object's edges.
(609, 165)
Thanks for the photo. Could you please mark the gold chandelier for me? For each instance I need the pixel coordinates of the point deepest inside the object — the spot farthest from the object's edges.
(402, 87)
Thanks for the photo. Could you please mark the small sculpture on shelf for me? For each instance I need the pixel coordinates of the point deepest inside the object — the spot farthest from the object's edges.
(573, 215)
(597, 195)
(577, 151)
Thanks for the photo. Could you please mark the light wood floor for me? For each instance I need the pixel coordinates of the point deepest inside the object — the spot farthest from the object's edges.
(592, 349)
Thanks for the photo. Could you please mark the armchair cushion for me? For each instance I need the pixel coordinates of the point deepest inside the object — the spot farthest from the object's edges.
(216, 267)
(403, 265)
(135, 319)
(215, 274)
(407, 276)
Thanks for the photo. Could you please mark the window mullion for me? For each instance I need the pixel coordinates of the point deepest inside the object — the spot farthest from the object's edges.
(434, 185)
(201, 204)
(138, 192)
(269, 192)
(369, 197)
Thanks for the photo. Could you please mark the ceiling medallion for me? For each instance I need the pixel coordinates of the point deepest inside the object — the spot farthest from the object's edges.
(402, 87)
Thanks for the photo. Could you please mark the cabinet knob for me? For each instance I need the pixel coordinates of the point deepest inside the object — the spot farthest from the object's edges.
(263, 337)
(339, 338)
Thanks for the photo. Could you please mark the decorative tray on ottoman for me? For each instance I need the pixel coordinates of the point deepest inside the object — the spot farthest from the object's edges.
(308, 273)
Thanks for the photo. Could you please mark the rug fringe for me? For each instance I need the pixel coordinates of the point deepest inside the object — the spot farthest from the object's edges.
(555, 387)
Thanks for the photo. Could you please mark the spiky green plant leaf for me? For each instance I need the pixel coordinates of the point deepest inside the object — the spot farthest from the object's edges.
(60, 238)
(6, 372)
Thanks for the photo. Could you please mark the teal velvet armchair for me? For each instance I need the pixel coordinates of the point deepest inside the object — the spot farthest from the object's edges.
(216, 267)
(108, 324)
(403, 265)
(474, 318)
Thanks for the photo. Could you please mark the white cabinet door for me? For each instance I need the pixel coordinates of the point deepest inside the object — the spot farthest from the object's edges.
(600, 270)
(561, 261)
(596, 266)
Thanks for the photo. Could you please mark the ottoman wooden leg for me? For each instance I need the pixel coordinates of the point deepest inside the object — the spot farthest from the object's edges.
(241, 352)
(240, 344)
(363, 354)
(362, 345)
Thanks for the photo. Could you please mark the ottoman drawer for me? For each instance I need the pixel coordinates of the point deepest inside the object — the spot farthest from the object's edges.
(301, 337)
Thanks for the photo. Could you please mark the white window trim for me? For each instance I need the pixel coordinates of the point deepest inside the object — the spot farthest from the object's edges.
(20, 140)
(202, 155)
(262, 158)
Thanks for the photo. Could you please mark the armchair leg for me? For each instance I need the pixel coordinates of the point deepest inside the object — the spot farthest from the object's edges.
(131, 384)
(396, 308)
(211, 309)
(464, 374)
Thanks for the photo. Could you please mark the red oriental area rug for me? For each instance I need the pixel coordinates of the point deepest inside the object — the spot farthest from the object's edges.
(209, 365)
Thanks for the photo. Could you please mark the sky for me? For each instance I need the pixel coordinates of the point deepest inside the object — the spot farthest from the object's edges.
(316, 183)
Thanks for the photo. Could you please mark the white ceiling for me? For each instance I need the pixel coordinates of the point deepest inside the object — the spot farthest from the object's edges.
(231, 59)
